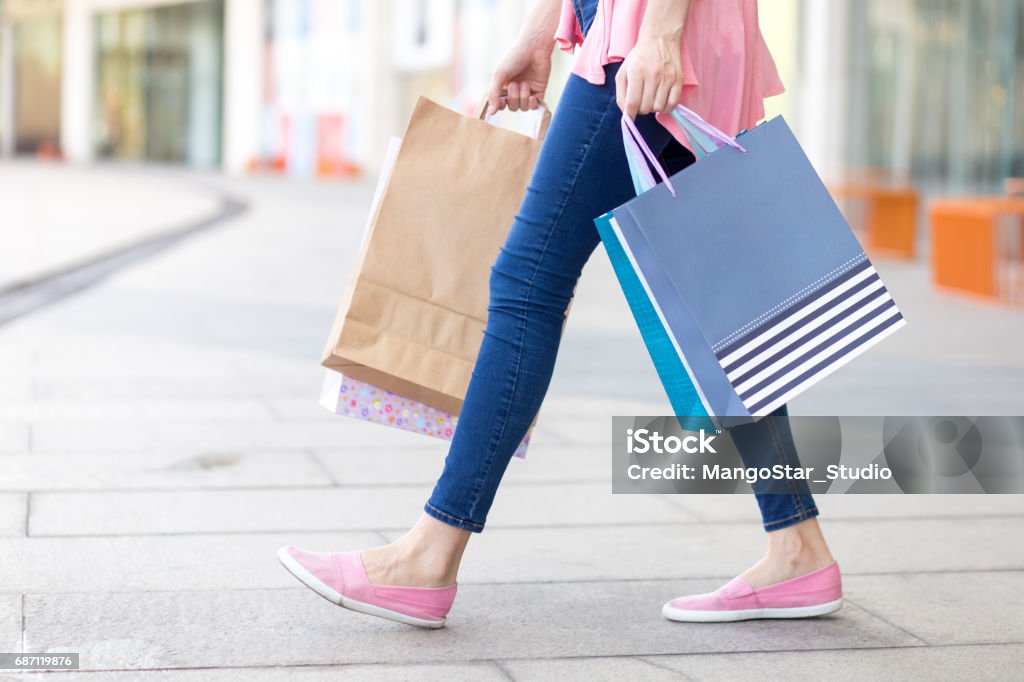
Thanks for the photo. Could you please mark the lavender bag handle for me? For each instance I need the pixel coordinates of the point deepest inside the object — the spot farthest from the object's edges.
(716, 135)
(637, 149)
(635, 146)
(639, 171)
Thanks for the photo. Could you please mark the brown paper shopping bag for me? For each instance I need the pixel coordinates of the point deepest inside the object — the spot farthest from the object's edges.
(414, 310)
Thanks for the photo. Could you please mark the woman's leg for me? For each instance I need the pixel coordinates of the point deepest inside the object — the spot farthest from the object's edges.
(580, 174)
(795, 543)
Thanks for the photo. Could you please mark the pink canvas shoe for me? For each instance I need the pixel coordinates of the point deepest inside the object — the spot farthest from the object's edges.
(814, 594)
(341, 578)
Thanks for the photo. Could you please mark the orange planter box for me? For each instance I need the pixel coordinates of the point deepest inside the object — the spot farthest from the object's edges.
(885, 217)
(978, 246)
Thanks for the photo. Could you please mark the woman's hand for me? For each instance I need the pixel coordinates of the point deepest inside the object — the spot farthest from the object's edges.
(523, 73)
(651, 77)
(522, 76)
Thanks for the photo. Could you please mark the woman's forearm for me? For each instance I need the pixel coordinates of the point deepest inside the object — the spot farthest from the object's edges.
(664, 19)
(541, 23)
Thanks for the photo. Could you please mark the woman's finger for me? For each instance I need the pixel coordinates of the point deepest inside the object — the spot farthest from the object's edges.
(634, 97)
(534, 102)
(524, 96)
(674, 95)
(648, 96)
(660, 104)
(621, 85)
(494, 101)
(512, 99)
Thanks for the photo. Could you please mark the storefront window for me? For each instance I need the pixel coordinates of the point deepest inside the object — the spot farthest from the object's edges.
(158, 83)
(936, 92)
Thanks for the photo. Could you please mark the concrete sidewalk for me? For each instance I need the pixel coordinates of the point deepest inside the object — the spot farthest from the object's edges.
(60, 215)
(160, 439)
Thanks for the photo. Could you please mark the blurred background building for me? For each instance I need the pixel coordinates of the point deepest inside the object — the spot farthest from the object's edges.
(928, 91)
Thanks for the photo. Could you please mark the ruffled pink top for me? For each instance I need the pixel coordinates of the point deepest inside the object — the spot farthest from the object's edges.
(727, 68)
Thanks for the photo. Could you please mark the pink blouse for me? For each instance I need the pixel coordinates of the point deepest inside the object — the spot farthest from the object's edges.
(727, 68)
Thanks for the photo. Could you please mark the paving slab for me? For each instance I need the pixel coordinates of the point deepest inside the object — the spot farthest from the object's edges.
(699, 550)
(138, 364)
(557, 405)
(134, 388)
(739, 508)
(994, 663)
(227, 511)
(12, 514)
(200, 468)
(519, 555)
(438, 672)
(145, 410)
(16, 387)
(928, 545)
(14, 437)
(108, 564)
(604, 669)
(295, 626)
(12, 354)
(499, 555)
(10, 621)
(941, 608)
(120, 353)
(544, 462)
(593, 429)
(156, 436)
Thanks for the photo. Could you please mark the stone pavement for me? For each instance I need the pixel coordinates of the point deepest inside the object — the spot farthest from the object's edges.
(160, 439)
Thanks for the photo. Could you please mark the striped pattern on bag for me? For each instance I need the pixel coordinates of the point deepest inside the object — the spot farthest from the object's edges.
(811, 339)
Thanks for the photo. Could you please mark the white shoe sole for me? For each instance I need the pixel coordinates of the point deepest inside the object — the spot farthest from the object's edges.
(318, 586)
(686, 616)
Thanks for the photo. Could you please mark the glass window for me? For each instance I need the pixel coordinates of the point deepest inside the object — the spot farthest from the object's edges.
(158, 83)
(935, 91)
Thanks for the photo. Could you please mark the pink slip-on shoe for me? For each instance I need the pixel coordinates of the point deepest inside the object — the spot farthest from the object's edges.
(341, 578)
(814, 594)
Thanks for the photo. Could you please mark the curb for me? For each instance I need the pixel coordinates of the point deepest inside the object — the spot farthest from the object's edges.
(26, 296)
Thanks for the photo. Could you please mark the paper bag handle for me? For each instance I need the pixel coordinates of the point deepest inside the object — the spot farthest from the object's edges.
(638, 154)
(542, 126)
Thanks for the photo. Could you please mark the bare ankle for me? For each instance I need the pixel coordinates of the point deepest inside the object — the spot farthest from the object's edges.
(799, 546)
(428, 555)
(437, 564)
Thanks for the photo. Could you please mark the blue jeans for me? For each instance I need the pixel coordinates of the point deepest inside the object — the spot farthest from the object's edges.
(581, 173)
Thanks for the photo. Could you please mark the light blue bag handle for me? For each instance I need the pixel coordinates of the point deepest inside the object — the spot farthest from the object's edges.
(704, 136)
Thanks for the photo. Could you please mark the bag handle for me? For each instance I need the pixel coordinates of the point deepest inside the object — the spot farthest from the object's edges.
(636, 150)
(542, 125)
(702, 134)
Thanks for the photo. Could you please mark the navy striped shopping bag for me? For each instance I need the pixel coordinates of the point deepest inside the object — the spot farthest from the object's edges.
(746, 282)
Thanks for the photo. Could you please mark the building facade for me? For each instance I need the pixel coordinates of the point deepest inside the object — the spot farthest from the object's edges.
(307, 86)
(929, 90)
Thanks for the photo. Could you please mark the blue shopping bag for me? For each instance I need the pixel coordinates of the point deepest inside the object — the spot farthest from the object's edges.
(746, 282)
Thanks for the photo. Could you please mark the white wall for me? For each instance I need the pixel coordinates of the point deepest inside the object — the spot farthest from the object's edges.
(243, 86)
(821, 108)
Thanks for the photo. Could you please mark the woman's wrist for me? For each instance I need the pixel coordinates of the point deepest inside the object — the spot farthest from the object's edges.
(537, 41)
(538, 30)
(672, 35)
(664, 21)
